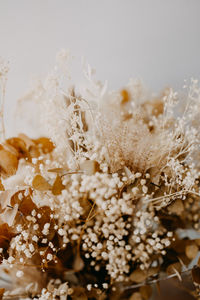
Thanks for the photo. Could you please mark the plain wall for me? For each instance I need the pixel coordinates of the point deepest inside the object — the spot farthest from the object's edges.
(156, 40)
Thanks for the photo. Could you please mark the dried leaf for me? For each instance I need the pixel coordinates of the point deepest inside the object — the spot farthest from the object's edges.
(139, 276)
(26, 206)
(57, 186)
(39, 183)
(19, 145)
(45, 144)
(8, 162)
(34, 151)
(28, 142)
(191, 251)
(125, 96)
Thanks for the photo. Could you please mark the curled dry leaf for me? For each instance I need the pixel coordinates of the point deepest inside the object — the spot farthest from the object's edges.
(39, 183)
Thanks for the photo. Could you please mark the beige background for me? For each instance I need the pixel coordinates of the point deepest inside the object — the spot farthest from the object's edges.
(156, 40)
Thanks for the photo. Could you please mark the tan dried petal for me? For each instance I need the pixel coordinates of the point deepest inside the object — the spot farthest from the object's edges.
(78, 264)
(39, 183)
(89, 167)
(176, 207)
(191, 251)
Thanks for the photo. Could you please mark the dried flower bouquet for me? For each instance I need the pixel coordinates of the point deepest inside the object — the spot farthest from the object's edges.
(101, 208)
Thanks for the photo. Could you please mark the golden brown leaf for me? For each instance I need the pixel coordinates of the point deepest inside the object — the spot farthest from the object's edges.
(125, 96)
(57, 186)
(26, 206)
(39, 183)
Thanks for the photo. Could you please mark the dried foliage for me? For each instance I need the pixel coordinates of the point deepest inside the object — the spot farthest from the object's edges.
(96, 210)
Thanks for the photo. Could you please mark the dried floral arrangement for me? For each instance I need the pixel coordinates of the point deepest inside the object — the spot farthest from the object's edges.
(97, 209)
